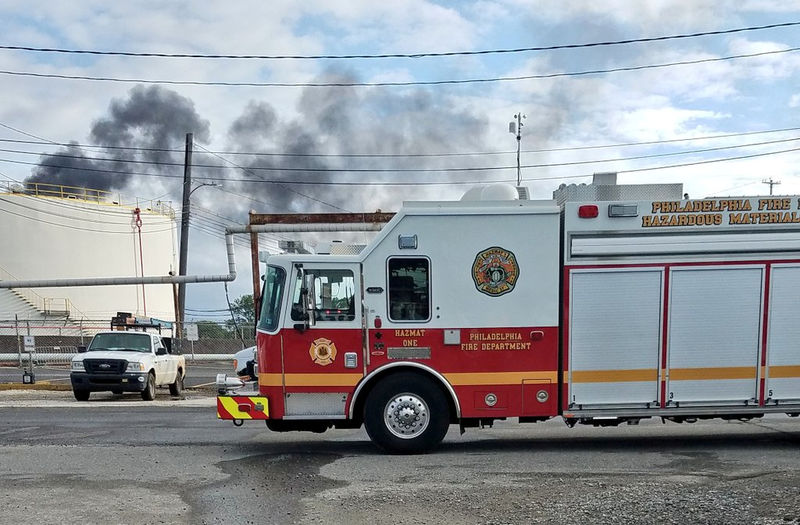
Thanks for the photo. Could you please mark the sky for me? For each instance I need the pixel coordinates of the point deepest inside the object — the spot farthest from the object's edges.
(721, 125)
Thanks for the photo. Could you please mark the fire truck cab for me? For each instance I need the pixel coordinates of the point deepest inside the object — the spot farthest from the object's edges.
(599, 311)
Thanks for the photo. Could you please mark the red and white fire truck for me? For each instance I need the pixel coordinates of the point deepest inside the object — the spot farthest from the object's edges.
(594, 306)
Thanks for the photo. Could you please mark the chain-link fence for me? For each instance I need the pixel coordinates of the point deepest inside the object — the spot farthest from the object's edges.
(56, 341)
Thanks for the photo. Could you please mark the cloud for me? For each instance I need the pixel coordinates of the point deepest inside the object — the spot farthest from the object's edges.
(653, 15)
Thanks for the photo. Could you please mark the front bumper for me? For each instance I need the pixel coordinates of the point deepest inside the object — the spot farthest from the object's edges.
(242, 407)
(126, 382)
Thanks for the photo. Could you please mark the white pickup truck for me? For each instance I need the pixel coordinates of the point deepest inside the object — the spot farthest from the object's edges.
(122, 361)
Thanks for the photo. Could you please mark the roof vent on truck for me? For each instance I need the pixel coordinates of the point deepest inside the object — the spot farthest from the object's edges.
(495, 192)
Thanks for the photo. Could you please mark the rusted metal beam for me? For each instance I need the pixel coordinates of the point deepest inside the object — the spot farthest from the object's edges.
(256, 268)
(262, 219)
(319, 218)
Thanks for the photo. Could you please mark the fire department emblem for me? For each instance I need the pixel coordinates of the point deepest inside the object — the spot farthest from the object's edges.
(322, 351)
(495, 271)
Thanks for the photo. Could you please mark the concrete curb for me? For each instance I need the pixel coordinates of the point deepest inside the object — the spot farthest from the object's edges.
(41, 385)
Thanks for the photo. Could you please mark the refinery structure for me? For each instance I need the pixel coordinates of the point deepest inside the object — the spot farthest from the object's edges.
(53, 230)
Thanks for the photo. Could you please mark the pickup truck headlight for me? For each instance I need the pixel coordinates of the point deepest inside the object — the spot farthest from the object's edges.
(135, 366)
(78, 366)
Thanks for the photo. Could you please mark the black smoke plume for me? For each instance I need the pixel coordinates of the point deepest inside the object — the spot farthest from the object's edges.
(352, 121)
(139, 128)
(329, 123)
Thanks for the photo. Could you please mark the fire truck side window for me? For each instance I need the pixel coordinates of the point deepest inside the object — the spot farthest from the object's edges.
(409, 289)
(335, 296)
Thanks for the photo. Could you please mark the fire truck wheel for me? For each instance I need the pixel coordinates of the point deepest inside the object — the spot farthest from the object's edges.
(149, 392)
(406, 414)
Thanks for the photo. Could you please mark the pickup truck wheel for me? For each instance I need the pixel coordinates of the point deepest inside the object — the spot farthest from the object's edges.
(149, 392)
(176, 388)
(81, 395)
(406, 414)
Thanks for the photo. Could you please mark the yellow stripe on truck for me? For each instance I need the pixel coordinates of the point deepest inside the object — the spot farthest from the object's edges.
(614, 376)
(675, 374)
(784, 371)
(700, 374)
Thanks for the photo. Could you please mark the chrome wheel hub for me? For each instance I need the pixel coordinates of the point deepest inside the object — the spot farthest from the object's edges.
(406, 416)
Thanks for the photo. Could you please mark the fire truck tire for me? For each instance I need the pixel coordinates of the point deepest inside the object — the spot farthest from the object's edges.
(81, 395)
(176, 388)
(149, 392)
(406, 414)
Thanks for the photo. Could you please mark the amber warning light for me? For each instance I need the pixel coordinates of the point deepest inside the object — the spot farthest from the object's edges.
(588, 211)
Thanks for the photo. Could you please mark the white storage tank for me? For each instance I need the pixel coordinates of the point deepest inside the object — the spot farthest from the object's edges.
(52, 231)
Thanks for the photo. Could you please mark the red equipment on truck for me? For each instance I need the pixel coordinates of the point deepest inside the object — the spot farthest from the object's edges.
(608, 304)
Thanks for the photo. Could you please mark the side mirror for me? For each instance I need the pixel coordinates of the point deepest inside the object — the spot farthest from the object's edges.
(310, 299)
(161, 351)
(81, 349)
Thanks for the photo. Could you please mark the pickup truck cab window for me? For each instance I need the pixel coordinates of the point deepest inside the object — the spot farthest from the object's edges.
(122, 341)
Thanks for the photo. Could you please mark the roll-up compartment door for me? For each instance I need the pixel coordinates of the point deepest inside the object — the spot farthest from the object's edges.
(614, 337)
(714, 335)
(783, 337)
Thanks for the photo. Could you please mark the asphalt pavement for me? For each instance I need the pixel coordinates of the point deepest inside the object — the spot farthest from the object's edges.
(123, 460)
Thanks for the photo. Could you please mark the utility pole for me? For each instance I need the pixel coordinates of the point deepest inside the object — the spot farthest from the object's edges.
(771, 183)
(516, 127)
(184, 248)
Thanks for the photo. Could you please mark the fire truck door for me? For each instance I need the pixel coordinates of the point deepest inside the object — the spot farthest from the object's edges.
(783, 337)
(714, 335)
(615, 335)
(323, 362)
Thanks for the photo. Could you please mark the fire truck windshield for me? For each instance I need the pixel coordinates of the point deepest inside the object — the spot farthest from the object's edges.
(274, 282)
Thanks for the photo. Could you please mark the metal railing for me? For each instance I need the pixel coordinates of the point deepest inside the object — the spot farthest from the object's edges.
(61, 191)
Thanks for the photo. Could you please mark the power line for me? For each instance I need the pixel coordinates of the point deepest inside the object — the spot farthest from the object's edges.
(252, 169)
(400, 55)
(392, 84)
(711, 161)
(25, 133)
(403, 155)
(284, 186)
(384, 183)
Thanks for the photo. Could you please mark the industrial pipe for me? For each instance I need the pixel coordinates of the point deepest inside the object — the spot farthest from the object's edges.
(178, 279)
(117, 281)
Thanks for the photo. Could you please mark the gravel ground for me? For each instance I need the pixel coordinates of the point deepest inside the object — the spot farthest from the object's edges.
(127, 461)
